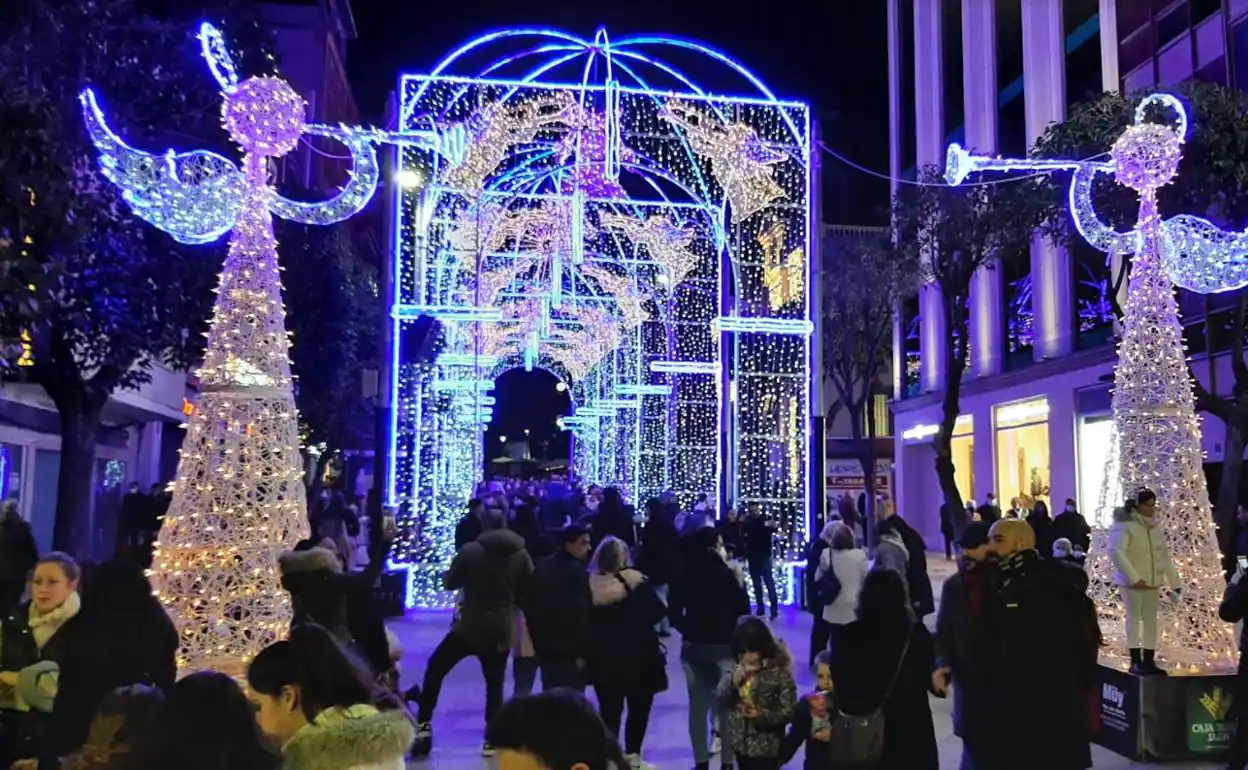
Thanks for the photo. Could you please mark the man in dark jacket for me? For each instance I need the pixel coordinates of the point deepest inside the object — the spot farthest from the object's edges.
(558, 611)
(961, 656)
(705, 603)
(1071, 525)
(1234, 609)
(18, 554)
(990, 512)
(491, 572)
(760, 532)
(918, 584)
(1043, 639)
(469, 528)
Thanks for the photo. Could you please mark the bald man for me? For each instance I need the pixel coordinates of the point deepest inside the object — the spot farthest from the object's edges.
(1011, 536)
(1044, 641)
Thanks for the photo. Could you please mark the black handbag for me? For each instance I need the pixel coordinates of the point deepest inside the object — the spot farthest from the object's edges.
(858, 741)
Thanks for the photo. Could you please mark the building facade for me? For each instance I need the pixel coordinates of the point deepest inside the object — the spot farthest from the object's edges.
(1035, 406)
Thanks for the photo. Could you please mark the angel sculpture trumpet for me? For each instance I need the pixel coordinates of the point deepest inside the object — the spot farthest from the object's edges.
(239, 496)
(1197, 255)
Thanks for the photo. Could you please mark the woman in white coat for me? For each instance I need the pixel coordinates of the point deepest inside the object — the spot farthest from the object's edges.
(849, 564)
(1142, 564)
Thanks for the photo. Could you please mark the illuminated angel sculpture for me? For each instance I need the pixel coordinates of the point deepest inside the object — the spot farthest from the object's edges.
(493, 130)
(1196, 254)
(740, 160)
(667, 243)
(239, 496)
(1158, 433)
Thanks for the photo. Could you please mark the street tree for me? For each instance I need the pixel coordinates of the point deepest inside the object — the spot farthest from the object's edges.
(1212, 182)
(102, 297)
(865, 277)
(953, 233)
(334, 316)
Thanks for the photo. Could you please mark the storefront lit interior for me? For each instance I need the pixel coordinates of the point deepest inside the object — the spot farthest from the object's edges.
(1022, 452)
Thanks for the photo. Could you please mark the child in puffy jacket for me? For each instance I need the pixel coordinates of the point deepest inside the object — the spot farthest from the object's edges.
(812, 720)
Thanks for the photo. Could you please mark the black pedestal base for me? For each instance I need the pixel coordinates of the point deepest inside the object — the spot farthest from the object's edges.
(1165, 718)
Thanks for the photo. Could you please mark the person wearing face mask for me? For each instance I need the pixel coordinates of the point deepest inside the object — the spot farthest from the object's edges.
(1071, 524)
(1142, 564)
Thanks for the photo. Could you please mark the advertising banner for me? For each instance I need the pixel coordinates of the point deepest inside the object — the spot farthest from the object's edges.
(1210, 726)
(1119, 713)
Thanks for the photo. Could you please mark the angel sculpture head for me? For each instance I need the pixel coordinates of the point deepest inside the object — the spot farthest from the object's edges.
(1146, 156)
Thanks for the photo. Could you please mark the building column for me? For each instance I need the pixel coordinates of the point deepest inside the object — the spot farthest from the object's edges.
(929, 122)
(1111, 80)
(979, 103)
(1044, 72)
(896, 119)
(147, 458)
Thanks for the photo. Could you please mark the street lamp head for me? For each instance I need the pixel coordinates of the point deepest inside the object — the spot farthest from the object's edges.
(409, 179)
(502, 439)
(561, 386)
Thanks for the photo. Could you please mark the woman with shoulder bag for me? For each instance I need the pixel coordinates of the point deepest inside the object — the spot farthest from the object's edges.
(882, 670)
(626, 663)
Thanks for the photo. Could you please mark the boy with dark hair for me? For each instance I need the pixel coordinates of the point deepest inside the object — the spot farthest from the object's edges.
(558, 610)
(812, 720)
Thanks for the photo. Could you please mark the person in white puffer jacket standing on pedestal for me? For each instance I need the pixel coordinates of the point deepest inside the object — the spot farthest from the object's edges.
(1142, 564)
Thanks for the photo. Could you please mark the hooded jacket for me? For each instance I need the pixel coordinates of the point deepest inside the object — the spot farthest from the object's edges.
(492, 571)
(625, 654)
(559, 610)
(355, 738)
(317, 589)
(1139, 551)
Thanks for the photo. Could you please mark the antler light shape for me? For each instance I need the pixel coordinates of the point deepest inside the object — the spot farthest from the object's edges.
(1158, 432)
(239, 497)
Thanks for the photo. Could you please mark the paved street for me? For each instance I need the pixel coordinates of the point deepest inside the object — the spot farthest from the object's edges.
(458, 725)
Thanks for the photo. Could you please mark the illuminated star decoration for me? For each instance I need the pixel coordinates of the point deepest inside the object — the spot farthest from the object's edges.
(590, 174)
(1158, 439)
(666, 243)
(785, 277)
(492, 132)
(740, 161)
(239, 496)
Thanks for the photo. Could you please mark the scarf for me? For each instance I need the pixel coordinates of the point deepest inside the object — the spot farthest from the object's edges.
(1017, 565)
(43, 627)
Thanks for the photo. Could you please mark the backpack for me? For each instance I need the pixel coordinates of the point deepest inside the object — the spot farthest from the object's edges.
(827, 587)
(858, 741)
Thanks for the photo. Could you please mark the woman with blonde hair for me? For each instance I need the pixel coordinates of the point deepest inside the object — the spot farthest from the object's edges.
(626, 663)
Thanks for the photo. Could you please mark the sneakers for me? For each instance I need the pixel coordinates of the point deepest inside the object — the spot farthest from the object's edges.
(423, 745)
(717, 745)
(488, 751)
(635, 762)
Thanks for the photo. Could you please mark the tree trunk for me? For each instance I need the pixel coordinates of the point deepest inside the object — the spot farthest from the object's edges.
(955, 364)
(80, 432)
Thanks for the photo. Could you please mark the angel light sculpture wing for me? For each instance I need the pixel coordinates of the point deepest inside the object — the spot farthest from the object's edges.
(196, 196)
(193, 196)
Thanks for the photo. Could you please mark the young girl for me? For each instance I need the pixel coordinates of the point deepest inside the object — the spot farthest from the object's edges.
(759, 695)
(812, 720)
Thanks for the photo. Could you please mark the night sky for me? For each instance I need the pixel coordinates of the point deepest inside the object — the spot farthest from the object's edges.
(832, 53)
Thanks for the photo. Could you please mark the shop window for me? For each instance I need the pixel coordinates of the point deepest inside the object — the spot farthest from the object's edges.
(1173, 24)
(11, 456)
(1098, 470)
(1132, 15)
(1136, 49)
(1022, 452)
(1174, 64)
(1203, 9)
(1240, 34)
(963, 451)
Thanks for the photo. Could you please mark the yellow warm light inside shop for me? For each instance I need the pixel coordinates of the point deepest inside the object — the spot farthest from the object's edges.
(1022, 452)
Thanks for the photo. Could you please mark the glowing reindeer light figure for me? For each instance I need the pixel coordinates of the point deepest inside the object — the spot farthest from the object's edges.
(1158, 432)
(239, 497)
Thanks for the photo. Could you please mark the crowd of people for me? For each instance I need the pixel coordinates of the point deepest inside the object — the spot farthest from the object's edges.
(579, 591)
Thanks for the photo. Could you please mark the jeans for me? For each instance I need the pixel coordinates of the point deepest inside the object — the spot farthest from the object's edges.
(523, 675)
(760, 573)
(559, 672)
(759, 763)
(705, 665)
(611, 707)
(453, 649)
(663, 626)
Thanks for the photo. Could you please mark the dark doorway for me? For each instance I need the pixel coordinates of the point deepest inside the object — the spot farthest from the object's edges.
(524, 438)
